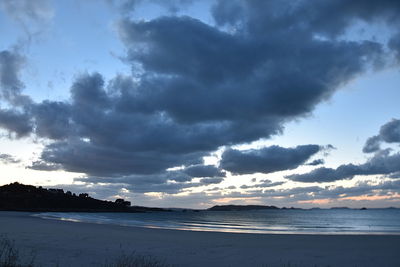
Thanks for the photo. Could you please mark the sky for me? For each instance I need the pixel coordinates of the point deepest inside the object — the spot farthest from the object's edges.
(187, 103)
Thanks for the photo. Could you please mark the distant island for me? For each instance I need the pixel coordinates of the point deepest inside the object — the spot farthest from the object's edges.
(241, 207)
(20, 197)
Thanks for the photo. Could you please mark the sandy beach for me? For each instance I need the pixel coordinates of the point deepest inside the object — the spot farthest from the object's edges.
(65, 243)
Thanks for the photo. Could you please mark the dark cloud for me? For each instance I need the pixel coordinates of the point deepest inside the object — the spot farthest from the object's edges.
(196, 87)
(394, 44)
(170, 182)
(213, 180)
(8, 159)
(52, 119)
(203, 171)
(11, 63)
(316, 162)
(372, 144)
(389, 133)
(15, 122)
(14, 119)
(234, 77)
(381, 163)
(44, 166)
(266, 160)
(326, 18)
(85, 157)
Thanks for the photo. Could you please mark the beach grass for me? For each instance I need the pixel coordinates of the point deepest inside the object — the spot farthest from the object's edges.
(9, 255)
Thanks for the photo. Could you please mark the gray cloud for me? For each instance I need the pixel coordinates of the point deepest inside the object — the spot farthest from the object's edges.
(197, 87)
(44, 166)
(11, 63)
(203, 171)
(264, 184)
(86, 157)
(266, 160)
(372, 144)
(52, 119)
(394, 44)
(15, 122)
(248, 81)
(389, 133)
(8, 159)
(316, 162)
(325, 18)
(279, 197)
(338, 192)
(170, 182)
(381, 163)
(213, 180)
(14, 119)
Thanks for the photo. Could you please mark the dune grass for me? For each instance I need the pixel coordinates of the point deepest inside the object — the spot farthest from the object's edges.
(9, 255)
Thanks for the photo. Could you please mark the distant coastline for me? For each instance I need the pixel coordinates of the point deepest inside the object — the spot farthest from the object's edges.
(20, 197)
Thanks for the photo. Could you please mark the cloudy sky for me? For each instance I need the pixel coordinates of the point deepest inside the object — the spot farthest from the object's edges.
(186, 103)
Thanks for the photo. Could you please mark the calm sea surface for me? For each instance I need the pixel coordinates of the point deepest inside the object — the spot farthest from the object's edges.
(335, 221)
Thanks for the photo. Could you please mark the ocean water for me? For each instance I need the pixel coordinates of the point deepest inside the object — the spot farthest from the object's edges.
(333, 221)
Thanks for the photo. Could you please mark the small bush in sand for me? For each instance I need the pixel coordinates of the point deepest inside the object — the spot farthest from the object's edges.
(9, 255)
(135, 260)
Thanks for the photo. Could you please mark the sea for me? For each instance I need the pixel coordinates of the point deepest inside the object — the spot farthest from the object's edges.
(281, 221)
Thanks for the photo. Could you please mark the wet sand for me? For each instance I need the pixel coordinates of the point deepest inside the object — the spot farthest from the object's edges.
(65, 243)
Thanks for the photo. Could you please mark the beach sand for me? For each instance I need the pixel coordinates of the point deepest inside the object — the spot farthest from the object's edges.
(65, 243)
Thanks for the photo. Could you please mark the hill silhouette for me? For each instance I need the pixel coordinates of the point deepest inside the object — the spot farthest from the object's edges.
(20, 197)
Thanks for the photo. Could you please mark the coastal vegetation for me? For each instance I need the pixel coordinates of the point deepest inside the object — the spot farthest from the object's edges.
(20, 197)
(9, 255)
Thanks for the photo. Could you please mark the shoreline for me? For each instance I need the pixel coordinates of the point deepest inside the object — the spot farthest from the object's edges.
(89, 244)
(349, 233)
(179, 226)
